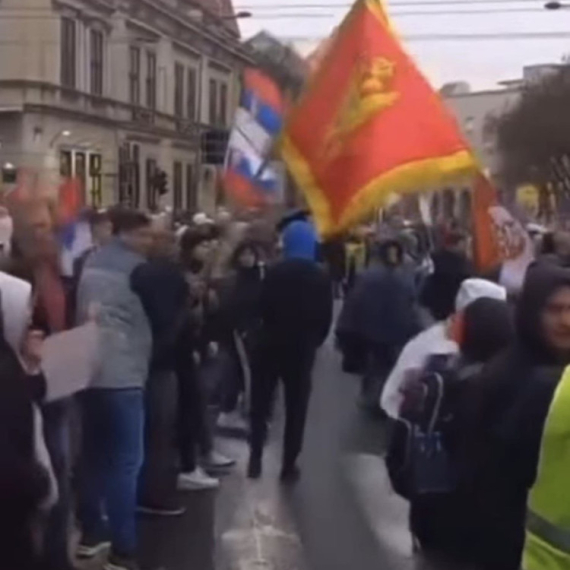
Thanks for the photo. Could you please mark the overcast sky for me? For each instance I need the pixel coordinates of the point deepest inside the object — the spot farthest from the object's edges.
(482, 62)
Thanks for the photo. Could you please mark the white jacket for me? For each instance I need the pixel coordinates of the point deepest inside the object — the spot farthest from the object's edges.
(15, 302)
(432, 341)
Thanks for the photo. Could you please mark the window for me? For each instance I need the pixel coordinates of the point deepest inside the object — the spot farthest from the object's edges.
(223, 116)
(81, 168)
(95, 166)
(136, 177)
(213, 102)
(68, 53)
(65, 164)
(191, 94)
(177, 186)
(151, 194)
(151, 80)
(191, 197)
(135, 76)
(96, 62)
(178, 89)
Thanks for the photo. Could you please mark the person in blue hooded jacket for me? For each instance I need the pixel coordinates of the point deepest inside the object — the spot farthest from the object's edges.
(296, 314)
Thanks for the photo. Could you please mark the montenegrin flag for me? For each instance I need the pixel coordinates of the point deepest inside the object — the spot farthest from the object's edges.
(369, 126)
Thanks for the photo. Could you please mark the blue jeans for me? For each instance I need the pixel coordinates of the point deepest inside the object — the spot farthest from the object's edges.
(112, 457)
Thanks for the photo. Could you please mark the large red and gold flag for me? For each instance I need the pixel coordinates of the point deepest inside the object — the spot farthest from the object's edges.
(369, 126)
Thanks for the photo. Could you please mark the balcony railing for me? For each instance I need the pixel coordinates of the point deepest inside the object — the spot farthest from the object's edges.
(22, 93)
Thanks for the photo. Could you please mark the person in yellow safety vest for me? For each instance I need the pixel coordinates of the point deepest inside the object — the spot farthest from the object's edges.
(521, 459)
(547, 545)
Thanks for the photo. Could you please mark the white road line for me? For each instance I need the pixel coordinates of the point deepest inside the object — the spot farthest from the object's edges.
(260, 532)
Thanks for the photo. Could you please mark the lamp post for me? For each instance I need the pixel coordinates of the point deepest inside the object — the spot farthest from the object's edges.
(555, 5)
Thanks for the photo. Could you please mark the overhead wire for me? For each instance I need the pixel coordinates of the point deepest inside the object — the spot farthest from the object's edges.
(427, 37)
(456, 12)
(418, 3)
(455, 37)
(396, 13)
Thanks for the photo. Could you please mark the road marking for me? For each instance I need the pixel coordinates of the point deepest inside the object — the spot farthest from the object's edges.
(260, 533)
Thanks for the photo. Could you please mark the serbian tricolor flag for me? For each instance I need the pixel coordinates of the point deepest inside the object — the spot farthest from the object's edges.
(369, 126)
(248, 176)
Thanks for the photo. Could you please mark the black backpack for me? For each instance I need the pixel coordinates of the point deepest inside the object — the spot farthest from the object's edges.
(418, 459)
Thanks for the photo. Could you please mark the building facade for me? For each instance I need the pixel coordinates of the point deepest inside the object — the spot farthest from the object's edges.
(112, 91)
(474, 112)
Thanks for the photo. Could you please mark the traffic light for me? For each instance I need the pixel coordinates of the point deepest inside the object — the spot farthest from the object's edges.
(161, 182)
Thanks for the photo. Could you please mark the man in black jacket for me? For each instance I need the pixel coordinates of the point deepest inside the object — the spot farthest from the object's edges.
(509, 413)
(450, 268)
(163, 291)
(296, 313)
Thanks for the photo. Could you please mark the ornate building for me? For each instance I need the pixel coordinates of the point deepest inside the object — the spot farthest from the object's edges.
(112, 90)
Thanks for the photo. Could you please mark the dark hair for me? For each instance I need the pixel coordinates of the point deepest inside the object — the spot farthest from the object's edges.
(97, 217)
(453, 238)
(245, 246)
(126, 220)
(189, 241)
(488, 328)
(381, 251)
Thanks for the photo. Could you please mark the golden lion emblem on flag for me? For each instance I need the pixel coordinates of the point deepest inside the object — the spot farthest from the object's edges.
(369, 94)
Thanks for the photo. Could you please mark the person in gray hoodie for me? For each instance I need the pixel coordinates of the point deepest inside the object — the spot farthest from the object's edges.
(113, 407)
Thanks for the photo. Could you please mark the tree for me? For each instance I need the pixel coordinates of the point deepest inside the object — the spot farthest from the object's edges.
(280, 62)
(533, 138)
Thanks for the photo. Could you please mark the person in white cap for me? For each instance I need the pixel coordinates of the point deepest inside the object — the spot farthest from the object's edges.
(437, 339)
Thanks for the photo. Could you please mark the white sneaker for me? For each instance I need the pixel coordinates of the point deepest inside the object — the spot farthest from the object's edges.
(216, 460)
(197, 480)
(233, 421)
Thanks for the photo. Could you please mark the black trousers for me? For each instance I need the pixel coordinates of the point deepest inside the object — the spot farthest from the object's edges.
(293, 365)
(233, 382)
(380, 359)
(157, 480)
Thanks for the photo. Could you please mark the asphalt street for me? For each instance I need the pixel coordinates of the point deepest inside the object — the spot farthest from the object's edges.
(342, 515)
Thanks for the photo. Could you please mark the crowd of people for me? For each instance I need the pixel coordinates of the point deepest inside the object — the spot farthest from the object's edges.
(196, 326)
(473, 380)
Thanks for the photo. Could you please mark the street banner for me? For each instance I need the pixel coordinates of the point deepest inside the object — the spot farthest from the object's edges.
(500, 240)
(248, 175)
(369, 125)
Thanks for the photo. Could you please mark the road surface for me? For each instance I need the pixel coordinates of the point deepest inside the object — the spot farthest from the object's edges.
(342, 515)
